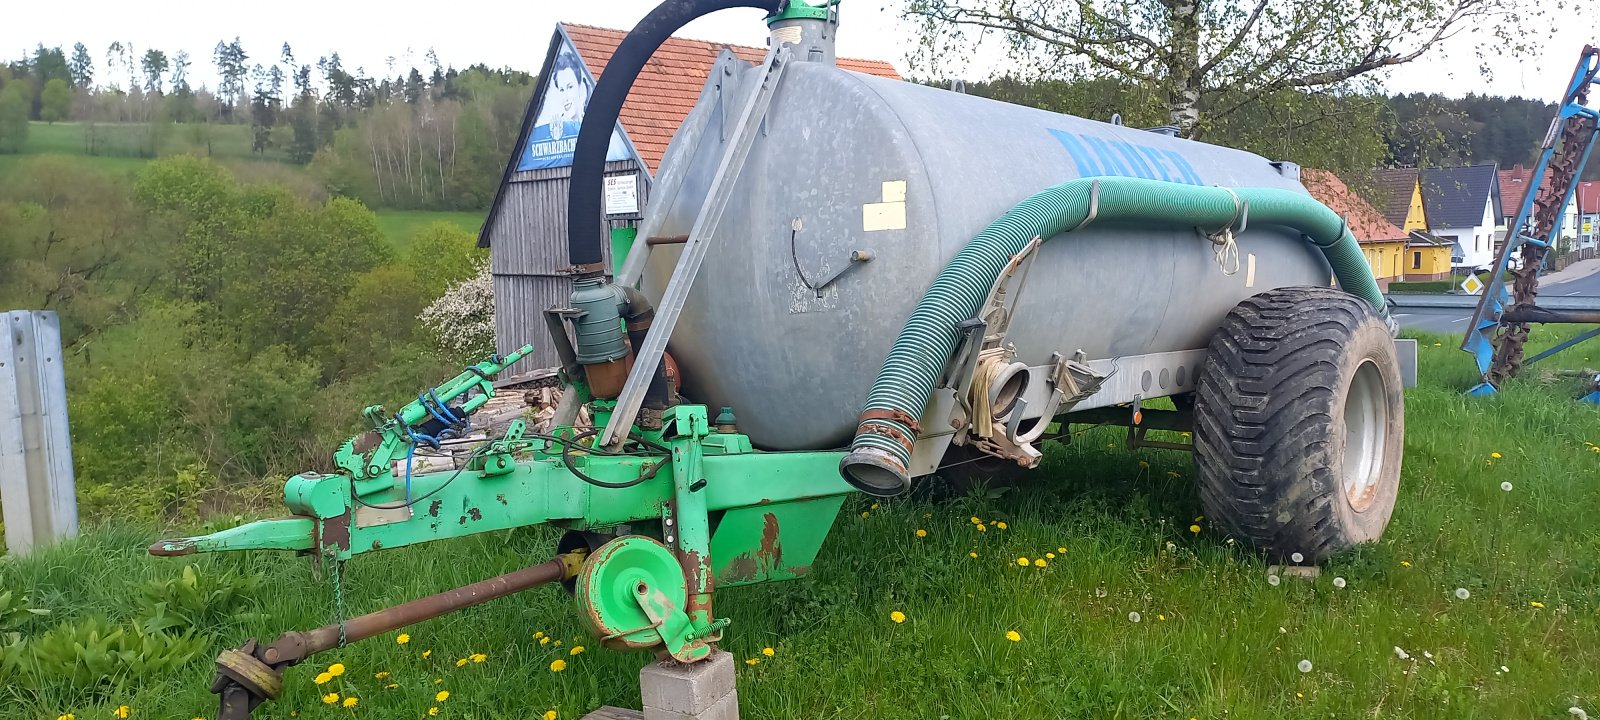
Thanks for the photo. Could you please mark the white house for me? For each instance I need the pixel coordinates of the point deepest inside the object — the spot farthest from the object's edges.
(1463, 205)
(1514, 184)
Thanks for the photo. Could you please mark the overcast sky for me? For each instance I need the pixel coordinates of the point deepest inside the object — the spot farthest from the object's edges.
(515, 34)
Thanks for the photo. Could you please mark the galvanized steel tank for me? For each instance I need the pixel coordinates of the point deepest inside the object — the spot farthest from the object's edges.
(909, 174)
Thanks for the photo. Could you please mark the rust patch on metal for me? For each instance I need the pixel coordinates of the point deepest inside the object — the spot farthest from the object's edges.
(433, 508)
(336, 532)
(476, 515)
(771, 552)
(742, 569)
(502, 499)
(366, 442)
(899, 416)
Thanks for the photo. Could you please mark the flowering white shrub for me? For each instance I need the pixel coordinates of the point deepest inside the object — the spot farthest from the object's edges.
(462, 320)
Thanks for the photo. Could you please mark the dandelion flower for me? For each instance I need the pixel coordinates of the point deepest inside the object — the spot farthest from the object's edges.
(769, 652)
(66, 716)
(384, 675)
(1405, 563)
(1338, 582)
(351, 702)
(550, 715)
(441, 696)
(122, 712)
(538, 634)
(1495, 455)
(1144, 464)
(982, 528)
(336, 669)
(544, 640)
(897, 616)
(322, 678)
(1039, 562)
(865, 513)
(922, 533)
(1022, 561)
(557, 665)
(427, 654)
(1506, 486)
(433, 711)
(479, 657)
(1304, 666)
(1298, 558)
(1401, 653)
(1161, 616)
(1133, 617)
(972, 554)
(1061, 550)
(1462, 594)
(1001, 524)
(1273, 580)
(402, 639)
(753, 661)
(330, 698)
(558, 643)
(1194, 529)
(975, 521)
(576, 650)
(1052, 556)
(874, 507)
(1535, 603)
(460, 662)
(390, 686)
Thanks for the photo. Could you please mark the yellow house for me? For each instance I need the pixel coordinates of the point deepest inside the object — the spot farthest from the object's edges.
(1425, 256)
(1383, 243)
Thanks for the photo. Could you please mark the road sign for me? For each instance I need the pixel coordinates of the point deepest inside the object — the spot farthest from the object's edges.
(1472, 285)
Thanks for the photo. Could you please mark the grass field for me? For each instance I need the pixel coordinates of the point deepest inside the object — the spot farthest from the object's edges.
(399, 225)
(1213, 638)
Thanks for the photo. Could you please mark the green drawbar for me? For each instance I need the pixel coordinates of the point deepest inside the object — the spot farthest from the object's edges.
(881, 451)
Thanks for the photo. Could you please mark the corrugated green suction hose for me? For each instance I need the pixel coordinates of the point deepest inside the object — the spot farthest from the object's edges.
(877, 463)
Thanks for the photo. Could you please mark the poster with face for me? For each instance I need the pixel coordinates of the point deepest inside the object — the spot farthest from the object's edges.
(555, 131)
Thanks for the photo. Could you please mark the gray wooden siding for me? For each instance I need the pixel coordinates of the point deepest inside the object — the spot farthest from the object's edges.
(529, 234)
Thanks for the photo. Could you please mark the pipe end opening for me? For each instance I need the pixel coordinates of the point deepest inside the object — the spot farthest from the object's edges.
(875, 472)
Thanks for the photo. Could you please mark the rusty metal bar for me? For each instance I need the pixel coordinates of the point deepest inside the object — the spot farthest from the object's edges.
(667, 240)
(253, 674)
(1536, 314)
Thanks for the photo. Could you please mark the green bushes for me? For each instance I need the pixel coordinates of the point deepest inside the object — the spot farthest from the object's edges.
(217, 332)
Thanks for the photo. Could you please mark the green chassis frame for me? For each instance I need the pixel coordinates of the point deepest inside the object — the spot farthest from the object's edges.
(727, 514)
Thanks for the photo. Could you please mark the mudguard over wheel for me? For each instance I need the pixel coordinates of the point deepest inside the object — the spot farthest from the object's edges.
(1299, 423)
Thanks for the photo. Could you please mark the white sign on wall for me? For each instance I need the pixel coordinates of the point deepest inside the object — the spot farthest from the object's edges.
(622, 194)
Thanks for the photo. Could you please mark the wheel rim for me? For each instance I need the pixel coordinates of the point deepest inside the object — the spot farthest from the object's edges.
(1366, 417)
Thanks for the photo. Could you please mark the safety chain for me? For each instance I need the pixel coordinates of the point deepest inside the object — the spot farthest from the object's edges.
(338, 595)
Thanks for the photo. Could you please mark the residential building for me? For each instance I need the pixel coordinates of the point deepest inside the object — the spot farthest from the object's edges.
(1427, 256)
(1588, 206)
(1393, 254)
(1463, 206)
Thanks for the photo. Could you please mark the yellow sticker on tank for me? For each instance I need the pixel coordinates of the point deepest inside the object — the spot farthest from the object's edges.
(883, 216)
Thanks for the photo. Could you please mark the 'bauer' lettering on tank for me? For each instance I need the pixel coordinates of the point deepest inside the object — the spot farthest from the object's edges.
(1103, 156)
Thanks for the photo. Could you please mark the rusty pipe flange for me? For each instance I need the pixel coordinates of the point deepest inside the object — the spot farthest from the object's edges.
(255, 676)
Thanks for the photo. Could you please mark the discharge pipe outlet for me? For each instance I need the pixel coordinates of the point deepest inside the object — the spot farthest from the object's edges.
(601, 347)
(881, 452)
(584, 236)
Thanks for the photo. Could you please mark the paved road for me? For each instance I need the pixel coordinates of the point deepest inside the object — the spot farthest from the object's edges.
(1445, 320)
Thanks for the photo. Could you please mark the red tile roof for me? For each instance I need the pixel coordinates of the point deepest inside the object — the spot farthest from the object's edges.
(1366, 223)
(667, 89)
(1589, 197)
(1513, 188)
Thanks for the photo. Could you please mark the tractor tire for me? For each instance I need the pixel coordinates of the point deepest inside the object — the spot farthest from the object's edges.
(1300, 423)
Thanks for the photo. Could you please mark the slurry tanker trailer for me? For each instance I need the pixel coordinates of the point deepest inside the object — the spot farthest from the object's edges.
(869, 280)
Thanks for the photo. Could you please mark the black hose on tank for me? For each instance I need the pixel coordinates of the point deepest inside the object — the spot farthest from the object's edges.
(585, 237)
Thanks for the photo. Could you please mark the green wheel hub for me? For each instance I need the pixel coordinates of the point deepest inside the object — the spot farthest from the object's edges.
(633, 595)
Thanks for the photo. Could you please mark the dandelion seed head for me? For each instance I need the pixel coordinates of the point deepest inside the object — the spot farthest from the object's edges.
(1133, 617)
(1462, 594)
(1273, 580)
(1304, 666)
(1338, 582)
(1297, 557)
(1506, 486)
